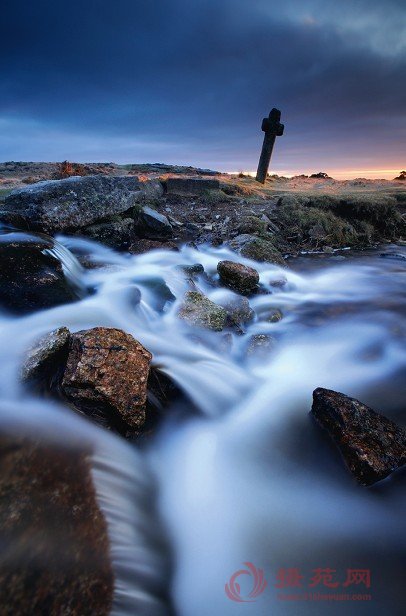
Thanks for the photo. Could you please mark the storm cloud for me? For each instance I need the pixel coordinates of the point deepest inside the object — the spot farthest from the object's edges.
(188, 82)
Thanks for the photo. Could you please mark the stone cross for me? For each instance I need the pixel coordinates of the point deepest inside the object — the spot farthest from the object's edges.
(272, 129)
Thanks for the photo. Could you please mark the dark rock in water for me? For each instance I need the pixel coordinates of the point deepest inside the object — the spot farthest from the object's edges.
(192, 271)
(372, 446)
(70, 204)
(257, 249)
(153, 225)
(238, 277)
(31, 278)
(44, 358)
(191, 186)
(199, 311)
(117, 234)
(140, 246)
(54, 555)
(106, 374)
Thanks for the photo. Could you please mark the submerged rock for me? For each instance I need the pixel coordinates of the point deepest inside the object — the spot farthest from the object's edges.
(260, 345)
(257, 249)
(30, 277)
(55, 556)
(107, 373)
(239, 311)
(65, 205)
(372, 446)
(42, 359)
(199, 311)
(238, 277)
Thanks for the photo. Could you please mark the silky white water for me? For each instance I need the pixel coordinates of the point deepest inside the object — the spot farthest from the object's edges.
(242, 473)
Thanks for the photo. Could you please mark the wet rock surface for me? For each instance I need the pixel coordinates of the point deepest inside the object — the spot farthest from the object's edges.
(31, 278)
(372, 446)
(43, 358)
(199, 311)
(238, 277)
(55, 548)
(107, 372)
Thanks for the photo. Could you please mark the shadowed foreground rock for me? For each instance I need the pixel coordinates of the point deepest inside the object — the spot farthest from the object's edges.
(107, 371)
(31, 277)
(54, 556)
(372, 445)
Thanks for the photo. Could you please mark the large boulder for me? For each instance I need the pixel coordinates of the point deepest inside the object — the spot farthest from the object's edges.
(107, 372)
(70, 204)
(238, 277)
(31, 277)
(257, 249)
(55, 550)
(372, 446)
(199, 311)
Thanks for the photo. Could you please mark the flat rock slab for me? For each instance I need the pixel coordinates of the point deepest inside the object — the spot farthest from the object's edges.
(65, 205)
(372, 446)
(191, 186)
(108, 369)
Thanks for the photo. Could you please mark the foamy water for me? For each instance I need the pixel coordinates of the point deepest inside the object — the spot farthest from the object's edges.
(243, 475)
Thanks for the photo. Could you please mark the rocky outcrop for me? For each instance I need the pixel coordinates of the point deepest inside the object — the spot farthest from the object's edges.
(55, 547)
(372, 446)
(257, 249)
(199, 311)
(70, 204)
(31, 277)
(107, 372)
(238, 277)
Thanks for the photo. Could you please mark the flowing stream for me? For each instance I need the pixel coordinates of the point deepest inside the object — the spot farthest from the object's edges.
(242, 473)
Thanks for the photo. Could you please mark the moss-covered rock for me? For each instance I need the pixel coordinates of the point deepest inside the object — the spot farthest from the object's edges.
(199, 311)
(257, 248)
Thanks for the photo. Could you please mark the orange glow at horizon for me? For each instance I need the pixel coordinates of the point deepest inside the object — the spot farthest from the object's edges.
(339, 174)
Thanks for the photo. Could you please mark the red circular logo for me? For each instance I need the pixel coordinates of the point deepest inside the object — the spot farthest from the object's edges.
(233, 589)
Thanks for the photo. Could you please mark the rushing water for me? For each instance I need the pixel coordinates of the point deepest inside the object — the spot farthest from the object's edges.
(242, 474)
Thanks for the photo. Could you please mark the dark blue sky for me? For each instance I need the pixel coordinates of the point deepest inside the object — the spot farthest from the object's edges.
(188, 82)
